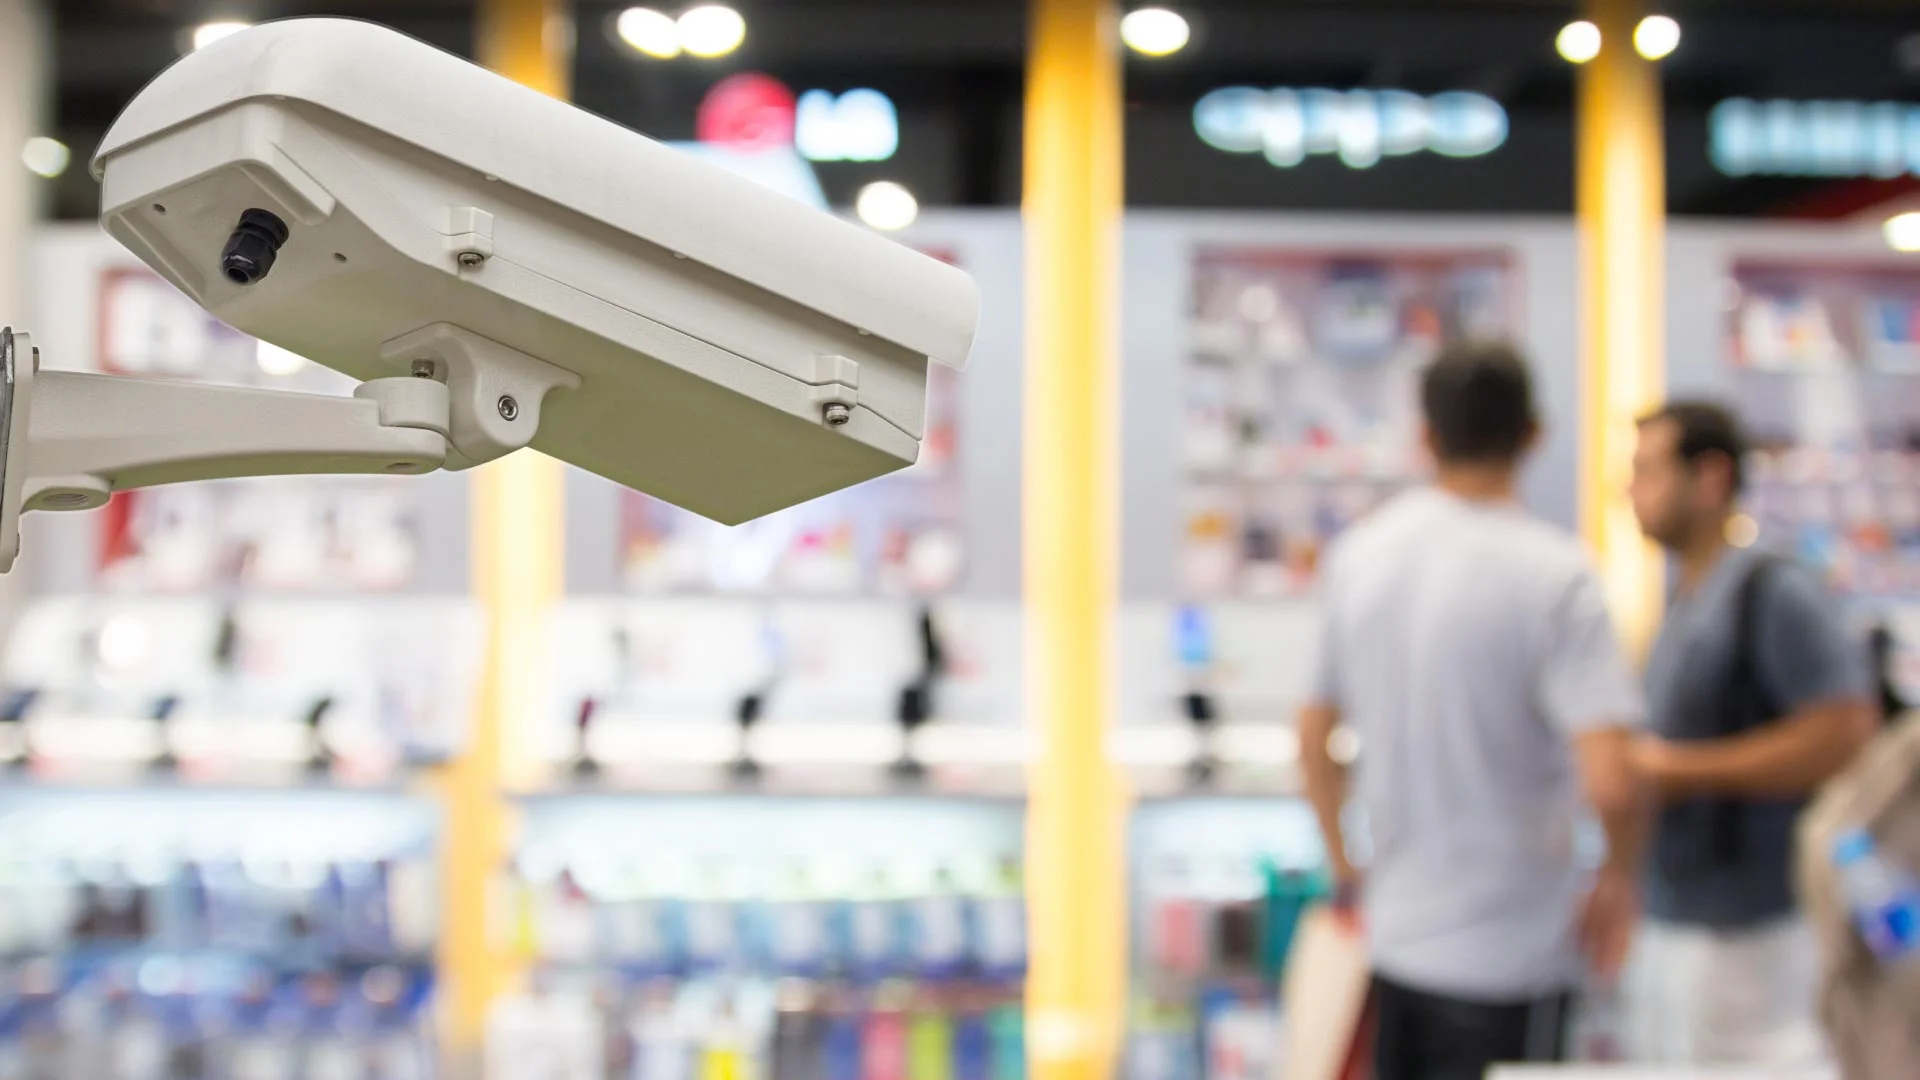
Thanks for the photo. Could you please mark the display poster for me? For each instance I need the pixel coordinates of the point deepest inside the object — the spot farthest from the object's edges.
(897, 535)
(1301, 411)
(1826, 373)
(304, 534)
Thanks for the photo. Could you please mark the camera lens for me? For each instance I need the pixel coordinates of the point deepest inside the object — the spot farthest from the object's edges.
(251, 249)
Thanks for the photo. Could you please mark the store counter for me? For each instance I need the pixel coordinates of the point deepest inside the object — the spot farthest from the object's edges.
(1654, 1073)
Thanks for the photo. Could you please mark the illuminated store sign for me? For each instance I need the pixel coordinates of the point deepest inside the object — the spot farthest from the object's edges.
(753, 112)
(1815, 138)
(1361, 126)
(859, 125)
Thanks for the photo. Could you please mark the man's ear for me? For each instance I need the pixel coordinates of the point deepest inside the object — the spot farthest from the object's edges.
(1426, 440)
(1720, 467)
(1535, 432)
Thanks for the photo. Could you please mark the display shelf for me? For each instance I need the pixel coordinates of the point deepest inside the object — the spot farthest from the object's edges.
(1823, 359)
(1300, 411)
(1218, 885)
(764, 932)
(252, 691)
(215, 931)
(15, 779)
(882, 790)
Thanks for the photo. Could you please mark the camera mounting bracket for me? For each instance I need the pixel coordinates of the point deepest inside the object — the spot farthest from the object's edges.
(68, 439)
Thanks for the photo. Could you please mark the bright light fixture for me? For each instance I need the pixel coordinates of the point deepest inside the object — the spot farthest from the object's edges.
(274, 360)
(886, 205)
(1656, 37)
(1903, 231)
(123, 643)
(1155, 31)
(1742, 531)
(208, 33)
(711, 30)
(45, 157)
(651, 32)
(1578, 42)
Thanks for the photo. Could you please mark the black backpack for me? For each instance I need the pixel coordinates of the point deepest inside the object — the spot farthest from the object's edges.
(1748, 701)
(1745, 676)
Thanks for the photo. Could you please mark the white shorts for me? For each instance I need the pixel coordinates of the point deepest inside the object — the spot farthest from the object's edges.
(1695, 996)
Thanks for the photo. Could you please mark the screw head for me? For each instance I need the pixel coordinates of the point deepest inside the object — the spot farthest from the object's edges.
(471, 259)
(423, 369)
(838, 415)
(509, 408)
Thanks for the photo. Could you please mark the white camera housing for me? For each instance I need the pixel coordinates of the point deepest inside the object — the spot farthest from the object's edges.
(576, 287)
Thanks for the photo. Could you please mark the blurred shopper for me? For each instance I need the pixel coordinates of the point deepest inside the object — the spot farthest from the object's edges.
(1757, 694)
(1859, 877)
(1468, 647)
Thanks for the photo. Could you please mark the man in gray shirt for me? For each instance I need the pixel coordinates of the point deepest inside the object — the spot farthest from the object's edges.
(1468, 646)
(1757, 694)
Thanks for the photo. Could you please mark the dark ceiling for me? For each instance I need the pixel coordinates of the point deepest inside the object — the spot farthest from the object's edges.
(955, 67)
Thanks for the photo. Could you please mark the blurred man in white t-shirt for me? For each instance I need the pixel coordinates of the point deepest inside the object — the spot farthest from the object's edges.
(1469, 647)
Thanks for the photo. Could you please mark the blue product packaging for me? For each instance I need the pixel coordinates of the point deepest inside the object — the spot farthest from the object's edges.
(840, 1047)
(972, 1048)
(366, 922)
(937, 929)
(875, 924)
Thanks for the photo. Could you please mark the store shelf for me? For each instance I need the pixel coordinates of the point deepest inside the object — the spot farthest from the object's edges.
(14, 782)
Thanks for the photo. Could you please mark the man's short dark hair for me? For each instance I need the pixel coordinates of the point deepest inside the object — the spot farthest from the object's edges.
(1706, 428)
(1478, 400)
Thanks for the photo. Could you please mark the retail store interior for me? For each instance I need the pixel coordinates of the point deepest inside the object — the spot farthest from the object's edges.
(982, 769)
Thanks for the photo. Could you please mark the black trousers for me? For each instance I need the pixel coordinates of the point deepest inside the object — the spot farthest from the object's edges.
(1422, 1036)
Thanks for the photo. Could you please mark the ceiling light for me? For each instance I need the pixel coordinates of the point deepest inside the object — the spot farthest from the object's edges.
(208, 33)
(651, 32)
(1656, 37)
(886, 205)
(45, 157)
(711, 30)
(1578, 42)
(1155, 31)
(1903, 231)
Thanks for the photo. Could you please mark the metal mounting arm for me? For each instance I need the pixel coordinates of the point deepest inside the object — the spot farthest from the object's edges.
(92, 435)
(68, 440)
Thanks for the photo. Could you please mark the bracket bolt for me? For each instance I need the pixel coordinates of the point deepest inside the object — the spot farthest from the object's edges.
(423, 369)
(509, 408)
(838, 415)
(470, 259)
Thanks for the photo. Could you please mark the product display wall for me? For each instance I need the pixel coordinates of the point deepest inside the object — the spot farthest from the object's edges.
(781, 827)
(1811, 333)
(218, 700)
(796, 754)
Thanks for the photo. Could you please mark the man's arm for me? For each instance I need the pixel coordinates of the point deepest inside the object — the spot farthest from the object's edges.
(1591, 697)
(1619, 796)
(1326, 786)
(1326, 779)
(1784, 759)
(1617, 791)
(1817, 671)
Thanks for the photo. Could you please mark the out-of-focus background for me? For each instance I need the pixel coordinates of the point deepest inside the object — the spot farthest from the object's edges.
(763, 817)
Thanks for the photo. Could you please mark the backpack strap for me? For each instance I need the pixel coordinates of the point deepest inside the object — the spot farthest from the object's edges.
(1744, 703)
(1748, 701)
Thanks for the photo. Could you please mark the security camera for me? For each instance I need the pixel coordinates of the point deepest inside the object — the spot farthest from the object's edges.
(502, 270)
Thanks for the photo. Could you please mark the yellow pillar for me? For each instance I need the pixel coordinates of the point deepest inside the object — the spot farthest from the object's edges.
(1076, 986)
(1621, 200)
(517, 550)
